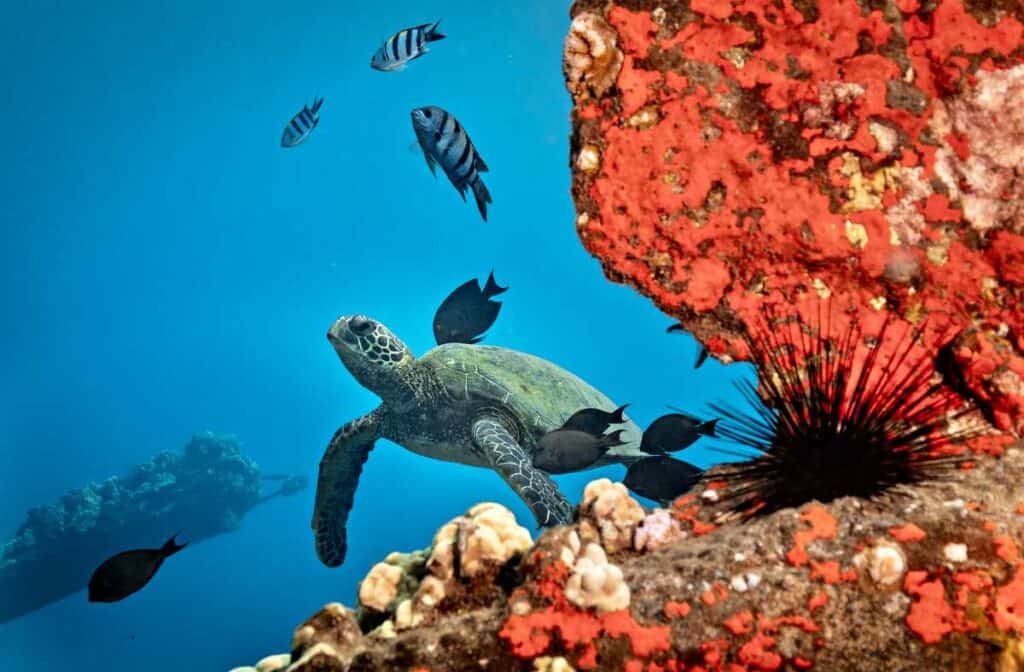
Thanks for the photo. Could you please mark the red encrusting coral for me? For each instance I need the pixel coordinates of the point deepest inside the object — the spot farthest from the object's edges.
(559, 623)
(789, 153)
(823, 526)
(907, 533)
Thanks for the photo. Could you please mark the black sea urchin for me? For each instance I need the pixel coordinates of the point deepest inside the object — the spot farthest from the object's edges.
(837, 416)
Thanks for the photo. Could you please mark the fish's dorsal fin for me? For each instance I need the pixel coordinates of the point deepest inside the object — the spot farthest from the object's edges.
(492, 288)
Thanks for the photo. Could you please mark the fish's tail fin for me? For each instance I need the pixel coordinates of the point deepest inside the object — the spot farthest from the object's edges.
(483, 197)
(492, 288)
(617, 417)
(432, 34)
(708, 428)
(171, 547)
(612, 440)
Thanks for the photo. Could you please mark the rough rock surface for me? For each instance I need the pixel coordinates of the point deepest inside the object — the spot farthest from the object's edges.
(853, 585)
(864, 152)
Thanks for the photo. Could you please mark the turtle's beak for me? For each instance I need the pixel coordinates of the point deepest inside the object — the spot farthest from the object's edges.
(337, 329)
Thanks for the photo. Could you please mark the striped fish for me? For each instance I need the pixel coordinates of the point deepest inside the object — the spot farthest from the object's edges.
(444, 141)
(302, 124)
(404, 46)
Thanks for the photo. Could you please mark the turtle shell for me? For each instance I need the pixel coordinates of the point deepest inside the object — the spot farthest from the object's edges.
(541, 395)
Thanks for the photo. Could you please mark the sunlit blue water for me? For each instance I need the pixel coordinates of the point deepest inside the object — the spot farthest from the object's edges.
(167, 267)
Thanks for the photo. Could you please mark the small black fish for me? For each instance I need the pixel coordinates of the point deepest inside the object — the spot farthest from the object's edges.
(566, 450)
(594, 421)
(673, 432)
(702, 352)
(468, 312)
(128, 572)
(661, 478)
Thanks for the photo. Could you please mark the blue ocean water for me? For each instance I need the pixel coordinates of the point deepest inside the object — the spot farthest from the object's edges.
(167, 267)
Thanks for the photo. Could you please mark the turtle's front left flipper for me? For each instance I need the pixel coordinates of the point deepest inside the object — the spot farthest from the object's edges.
(339, 475)
(513, 463)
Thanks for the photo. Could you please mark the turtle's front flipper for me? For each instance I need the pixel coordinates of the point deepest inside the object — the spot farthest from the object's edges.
(339, 475)
(533, 486)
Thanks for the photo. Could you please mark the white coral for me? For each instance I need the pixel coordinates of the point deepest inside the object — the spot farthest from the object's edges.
(380, 586)
(609, 515)
(884, 562)
(656, 530)
(596, 583)
(591, 59)
(489, 536)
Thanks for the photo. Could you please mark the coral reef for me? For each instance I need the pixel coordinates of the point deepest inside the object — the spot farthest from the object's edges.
(736, 159)
(864, 153)
(851, 585)
(204, 491)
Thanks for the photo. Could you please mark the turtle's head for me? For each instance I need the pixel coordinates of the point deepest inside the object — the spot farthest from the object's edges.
(374, 355)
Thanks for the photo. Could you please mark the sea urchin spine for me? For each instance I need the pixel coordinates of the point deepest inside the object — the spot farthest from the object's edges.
(838, 416)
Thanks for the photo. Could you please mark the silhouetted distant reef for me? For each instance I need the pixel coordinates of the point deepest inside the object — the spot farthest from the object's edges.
(202, 492)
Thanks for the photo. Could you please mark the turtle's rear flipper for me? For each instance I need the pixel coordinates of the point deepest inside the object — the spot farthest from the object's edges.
(339, 475)
(513, 464)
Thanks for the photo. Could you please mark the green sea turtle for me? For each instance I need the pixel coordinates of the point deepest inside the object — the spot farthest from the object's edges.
(478, 405)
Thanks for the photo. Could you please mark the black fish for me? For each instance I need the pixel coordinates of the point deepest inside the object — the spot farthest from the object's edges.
(702, 352)
(128, 572)
(594, 421)
(673, 432)
(566, 450)
(468, 312)
(661, 478)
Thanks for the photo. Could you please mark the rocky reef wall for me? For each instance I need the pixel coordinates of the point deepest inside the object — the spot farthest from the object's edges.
(732, 155)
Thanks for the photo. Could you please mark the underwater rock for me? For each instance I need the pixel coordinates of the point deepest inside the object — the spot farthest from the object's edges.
(202, 492)
(798, 154)
(855, 584)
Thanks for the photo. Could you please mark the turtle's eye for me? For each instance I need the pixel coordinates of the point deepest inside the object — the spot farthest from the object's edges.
(360, 325)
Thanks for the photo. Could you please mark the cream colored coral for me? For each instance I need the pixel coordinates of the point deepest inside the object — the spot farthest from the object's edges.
(657, 530)
(549, 664)
(884, 562)
(274, 663)
(596, 583)
(608, 515)
(591, 59)
(380, 586)
(489, 536)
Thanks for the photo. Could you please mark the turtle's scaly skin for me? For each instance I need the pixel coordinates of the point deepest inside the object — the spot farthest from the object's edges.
(473, 404)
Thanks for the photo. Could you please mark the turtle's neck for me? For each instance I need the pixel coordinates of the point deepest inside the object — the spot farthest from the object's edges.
(408, 385)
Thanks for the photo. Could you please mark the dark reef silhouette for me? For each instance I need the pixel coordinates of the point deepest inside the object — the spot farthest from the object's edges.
(204, 491)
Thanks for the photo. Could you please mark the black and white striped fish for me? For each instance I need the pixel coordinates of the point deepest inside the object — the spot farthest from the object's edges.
(444, 141)
(302, 124)
(404, 46)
